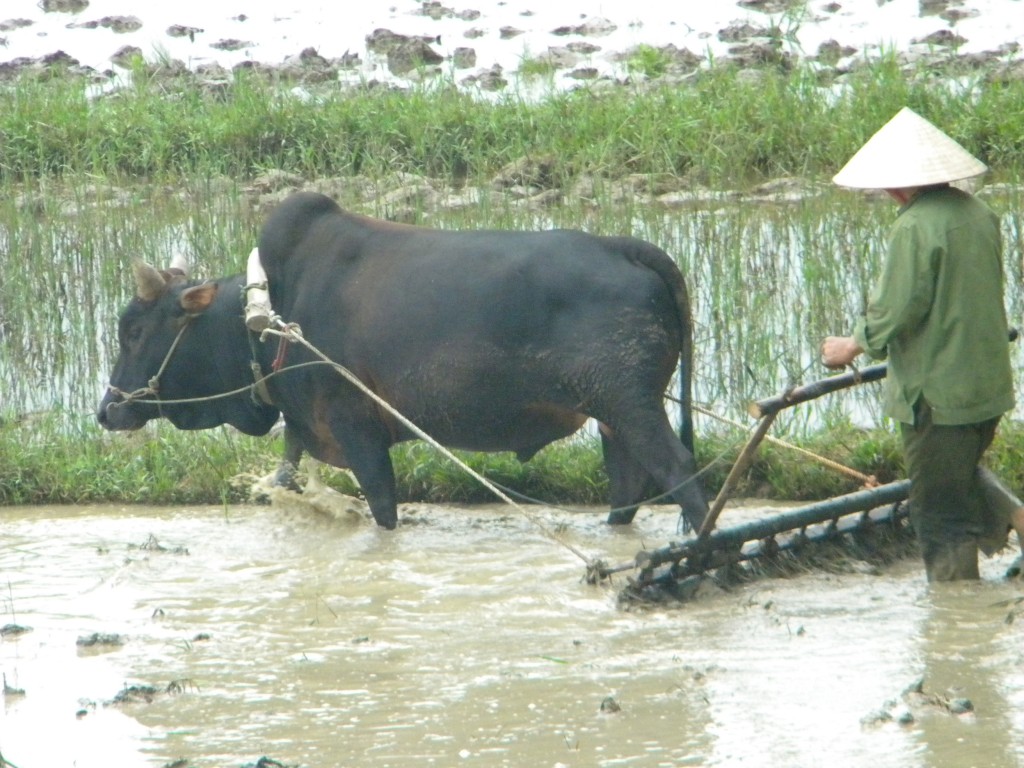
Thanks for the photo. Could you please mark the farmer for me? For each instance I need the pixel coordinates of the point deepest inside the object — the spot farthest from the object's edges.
(937, 314)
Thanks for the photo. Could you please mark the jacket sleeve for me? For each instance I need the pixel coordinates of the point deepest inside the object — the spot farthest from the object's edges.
(903, 295)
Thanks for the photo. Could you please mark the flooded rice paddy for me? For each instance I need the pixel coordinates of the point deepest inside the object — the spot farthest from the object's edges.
(216, 636)
(768, 280)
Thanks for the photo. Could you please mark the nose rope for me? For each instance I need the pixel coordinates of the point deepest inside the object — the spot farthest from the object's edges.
(153, 385)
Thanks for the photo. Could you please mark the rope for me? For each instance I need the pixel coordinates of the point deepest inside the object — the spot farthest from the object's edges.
(869, 481)
(137, 394)
(293, 333)
(652, 500)
(153, 385)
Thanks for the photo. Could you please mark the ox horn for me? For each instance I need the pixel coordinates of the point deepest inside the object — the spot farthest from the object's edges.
(179, 263)
(148, 280)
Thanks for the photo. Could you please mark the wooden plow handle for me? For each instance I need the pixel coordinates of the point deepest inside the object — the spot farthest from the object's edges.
(804, 392)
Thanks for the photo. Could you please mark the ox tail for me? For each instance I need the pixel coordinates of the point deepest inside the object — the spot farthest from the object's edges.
(663, 265)
(685, 364)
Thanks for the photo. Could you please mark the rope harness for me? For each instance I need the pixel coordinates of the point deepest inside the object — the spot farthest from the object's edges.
(153, 385)
(868, 481)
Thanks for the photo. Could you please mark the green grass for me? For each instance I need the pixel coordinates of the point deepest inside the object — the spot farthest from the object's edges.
(57, 459)
(727, 126)
(46, 463)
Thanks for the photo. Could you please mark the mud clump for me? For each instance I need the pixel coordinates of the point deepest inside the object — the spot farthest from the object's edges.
(101, 639)
(915, 703)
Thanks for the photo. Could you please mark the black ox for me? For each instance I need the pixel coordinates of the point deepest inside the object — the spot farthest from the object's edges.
(488, 341)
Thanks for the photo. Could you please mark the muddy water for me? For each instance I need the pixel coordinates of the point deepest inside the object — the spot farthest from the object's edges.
(467, 638)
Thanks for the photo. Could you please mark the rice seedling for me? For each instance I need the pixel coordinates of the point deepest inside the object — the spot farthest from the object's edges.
(531, 66)
(647, 61)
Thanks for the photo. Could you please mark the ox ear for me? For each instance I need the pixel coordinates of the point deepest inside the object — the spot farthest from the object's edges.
(149, 282)
(198, 298)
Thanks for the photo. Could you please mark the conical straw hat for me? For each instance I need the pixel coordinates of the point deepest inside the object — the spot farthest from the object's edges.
(908, 151)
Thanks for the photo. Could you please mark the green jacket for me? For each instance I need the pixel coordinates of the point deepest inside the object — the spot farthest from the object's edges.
(937, 311)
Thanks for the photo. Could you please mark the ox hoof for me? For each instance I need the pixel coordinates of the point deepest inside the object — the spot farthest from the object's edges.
(285, 478)
(1016, 568)
(387, 522)
(621, 516)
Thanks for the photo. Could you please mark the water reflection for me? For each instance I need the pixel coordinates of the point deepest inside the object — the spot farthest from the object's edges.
(968, 650)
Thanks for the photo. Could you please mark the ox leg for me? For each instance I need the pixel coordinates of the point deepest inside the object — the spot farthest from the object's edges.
(370, 462)
(289, 466)
(628, 482)
(654, 446)
(377, 479)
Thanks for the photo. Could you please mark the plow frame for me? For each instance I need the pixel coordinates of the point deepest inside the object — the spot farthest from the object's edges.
(679, 567)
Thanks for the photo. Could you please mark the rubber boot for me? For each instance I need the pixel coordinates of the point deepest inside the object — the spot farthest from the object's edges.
(951, 562)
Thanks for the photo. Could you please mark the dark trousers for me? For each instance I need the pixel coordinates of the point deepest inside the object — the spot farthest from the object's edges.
(948, 508)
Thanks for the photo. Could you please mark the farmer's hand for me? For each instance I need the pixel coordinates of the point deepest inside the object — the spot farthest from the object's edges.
(839, 351)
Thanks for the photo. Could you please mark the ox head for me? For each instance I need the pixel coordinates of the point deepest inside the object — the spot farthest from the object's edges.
(181, 344)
